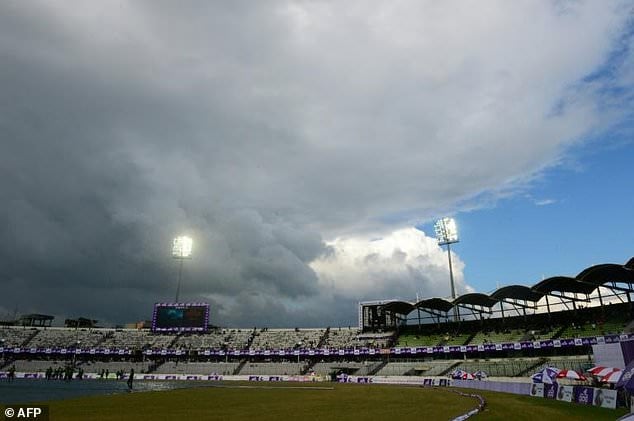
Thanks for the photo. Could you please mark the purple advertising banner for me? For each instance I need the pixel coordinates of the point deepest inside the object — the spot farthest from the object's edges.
(584, 395)
(550, 390)
(628, 351)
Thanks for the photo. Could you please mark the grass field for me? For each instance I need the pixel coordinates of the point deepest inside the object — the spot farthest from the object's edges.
(284, 401)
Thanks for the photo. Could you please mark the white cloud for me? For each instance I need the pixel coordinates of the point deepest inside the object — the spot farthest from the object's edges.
(545, 202)
(402, 264)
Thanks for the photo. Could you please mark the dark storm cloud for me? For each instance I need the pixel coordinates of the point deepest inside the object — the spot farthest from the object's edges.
(100, 171)
(261, 130)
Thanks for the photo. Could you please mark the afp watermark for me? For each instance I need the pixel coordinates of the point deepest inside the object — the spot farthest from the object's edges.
(28, 412)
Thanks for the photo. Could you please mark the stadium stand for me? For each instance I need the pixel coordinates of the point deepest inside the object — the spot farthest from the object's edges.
(483, 337)
(287, 338)
(375, 340)
(572, 362)
(16, 336)
(417, 368)
(419, 339)
(457, 339)
(216, 339)
(186, 367)
(327, 368)
(370, 368)
(501, 346)
(514, 367)
(585, 329)
(61, 337)
(35, 366)
(136, 339)
(582, 323)
(341, 338)
(501, 367)
(351, 338)
(278, 368)
(114, 366)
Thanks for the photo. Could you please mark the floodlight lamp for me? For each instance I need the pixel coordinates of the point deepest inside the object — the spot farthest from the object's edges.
(182, 247)
(446, 231)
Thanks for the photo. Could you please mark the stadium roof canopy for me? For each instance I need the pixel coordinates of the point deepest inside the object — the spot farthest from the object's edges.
(586, 282)
(37, 317)
(36, 320)
(563, 284)
(404, 307)
(609, 272)
(400, 307)
(477, 299)
(435, 304)
(517, 292)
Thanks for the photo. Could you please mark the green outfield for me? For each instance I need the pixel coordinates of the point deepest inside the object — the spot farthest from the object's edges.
(316, 401)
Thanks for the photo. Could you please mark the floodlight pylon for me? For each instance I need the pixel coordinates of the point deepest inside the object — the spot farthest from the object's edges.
(447, 234)
(181, 250)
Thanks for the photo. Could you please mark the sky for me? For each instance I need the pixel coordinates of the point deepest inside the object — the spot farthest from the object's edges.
(307, 148)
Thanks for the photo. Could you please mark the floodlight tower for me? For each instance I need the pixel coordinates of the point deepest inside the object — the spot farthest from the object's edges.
(181, 250)
(447, 234)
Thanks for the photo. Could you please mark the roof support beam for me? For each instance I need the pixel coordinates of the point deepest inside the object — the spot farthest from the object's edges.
(613, 287)
(473, 307)
(513, 303)
(565, 297)
(432, 312)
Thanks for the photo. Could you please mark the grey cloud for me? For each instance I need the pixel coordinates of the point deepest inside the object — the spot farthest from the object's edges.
(264, 130)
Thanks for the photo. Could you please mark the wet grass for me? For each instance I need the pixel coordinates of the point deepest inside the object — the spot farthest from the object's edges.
(282, 401)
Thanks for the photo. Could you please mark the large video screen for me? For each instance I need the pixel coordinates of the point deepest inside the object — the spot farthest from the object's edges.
(178, 317)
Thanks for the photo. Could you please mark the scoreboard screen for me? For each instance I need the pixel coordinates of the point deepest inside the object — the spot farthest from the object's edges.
(179, 317)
